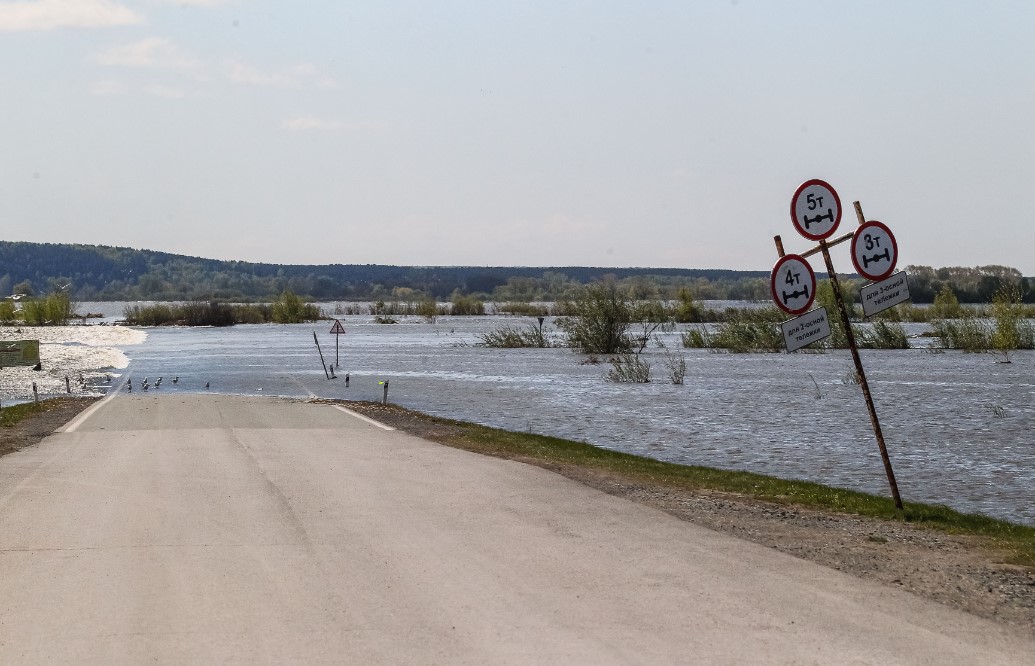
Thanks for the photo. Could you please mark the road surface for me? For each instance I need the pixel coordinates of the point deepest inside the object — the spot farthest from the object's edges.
(216, 529)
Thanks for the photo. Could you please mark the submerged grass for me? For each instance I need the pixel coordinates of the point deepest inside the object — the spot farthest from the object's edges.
(1016, 541)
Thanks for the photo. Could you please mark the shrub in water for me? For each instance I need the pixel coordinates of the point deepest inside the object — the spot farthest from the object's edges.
(628, 369)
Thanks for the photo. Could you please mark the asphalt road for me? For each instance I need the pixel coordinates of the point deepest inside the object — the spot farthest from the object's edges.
(213, 529)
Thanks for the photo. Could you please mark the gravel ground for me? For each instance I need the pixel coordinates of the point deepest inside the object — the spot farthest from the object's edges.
(958, 571)
(962, 572)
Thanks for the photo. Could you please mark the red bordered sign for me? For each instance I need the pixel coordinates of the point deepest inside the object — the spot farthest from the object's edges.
(793, 284)
(815, 209)
(874, 251)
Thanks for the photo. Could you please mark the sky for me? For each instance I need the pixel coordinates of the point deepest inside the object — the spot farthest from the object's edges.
(534, 133)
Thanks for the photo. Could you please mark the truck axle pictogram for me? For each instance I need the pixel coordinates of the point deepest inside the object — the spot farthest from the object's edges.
(787, 298)
(885, 255)
(809, 221)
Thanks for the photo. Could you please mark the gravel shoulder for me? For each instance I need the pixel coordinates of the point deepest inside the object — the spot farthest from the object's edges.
(961, 572)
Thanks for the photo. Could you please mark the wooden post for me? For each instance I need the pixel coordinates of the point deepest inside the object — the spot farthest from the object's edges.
(322, 363)
(68, 385)
(384, 398)
(850, 335)
(35, 393)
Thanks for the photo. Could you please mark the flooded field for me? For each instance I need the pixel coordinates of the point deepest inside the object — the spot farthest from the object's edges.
(958, 426)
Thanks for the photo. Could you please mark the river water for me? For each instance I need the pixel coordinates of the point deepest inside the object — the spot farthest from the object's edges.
(958, 426)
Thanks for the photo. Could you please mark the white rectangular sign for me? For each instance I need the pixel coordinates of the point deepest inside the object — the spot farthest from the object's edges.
(884, 294)
(806, 329)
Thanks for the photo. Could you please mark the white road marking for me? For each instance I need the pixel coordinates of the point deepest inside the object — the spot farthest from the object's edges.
(363, 418)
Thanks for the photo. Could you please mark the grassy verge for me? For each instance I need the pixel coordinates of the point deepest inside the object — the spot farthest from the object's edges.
(1017, 542)
(12, 414)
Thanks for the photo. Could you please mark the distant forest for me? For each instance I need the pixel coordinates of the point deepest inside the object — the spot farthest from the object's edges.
(102, 273)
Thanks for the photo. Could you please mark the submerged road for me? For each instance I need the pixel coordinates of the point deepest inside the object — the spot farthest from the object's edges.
(215, 529)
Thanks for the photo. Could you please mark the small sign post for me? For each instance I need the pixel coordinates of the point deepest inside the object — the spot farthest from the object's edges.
(337, 329)
(816, 212)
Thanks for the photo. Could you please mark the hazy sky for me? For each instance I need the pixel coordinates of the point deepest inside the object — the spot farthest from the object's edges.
(555, 132)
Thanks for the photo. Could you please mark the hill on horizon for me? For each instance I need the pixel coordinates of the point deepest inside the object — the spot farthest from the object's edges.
(98, 272)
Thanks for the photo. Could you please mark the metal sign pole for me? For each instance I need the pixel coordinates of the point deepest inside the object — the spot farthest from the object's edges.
(860, 373)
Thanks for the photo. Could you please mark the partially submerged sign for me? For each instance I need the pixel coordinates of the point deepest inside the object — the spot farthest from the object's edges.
(885, 294)
(19, 352)
(806, 329)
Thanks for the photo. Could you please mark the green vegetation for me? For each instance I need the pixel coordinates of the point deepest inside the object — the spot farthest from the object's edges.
(1016, 540)
(507, 337)
(741, 331)
(1008, 328)
(289, 309)
(12, 414)
(465, 305)
(628, 369)
(597, 320)
(55, 309)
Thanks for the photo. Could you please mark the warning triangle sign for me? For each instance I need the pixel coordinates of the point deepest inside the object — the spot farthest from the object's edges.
(337, 328)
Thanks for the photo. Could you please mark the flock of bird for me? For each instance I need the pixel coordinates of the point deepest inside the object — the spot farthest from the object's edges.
(146, 384)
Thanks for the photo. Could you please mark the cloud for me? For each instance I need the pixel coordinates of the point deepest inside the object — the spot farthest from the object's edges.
(165, 92)
(298, 76)
(151, 52)
(310, 123)
(107, 88)
(54, 14)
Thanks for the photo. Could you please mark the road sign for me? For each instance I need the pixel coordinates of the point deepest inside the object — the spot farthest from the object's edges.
(337, 329)
(815, 209)
(880, 296)
(793, 284)
(806, 329)
(874, 250)
(19, 352)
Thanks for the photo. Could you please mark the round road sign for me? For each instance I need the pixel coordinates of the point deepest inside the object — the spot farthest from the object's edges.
(874, 251)
(815, 210)
(793, 284)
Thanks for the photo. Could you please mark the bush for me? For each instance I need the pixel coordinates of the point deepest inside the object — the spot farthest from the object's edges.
(506, 337)
(7, 311)
(289, 309)
(55, 309)
(1011, 330)
(676, 365)
(742, 331)
(967, 333)
(465, 305)
(628, 369)
(598, 319)
(883, 335)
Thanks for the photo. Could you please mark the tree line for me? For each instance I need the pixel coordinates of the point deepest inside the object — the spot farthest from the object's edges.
(94, 272)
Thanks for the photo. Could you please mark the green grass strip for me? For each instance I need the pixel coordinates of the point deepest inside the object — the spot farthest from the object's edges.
(12, 414)
(1016, 541)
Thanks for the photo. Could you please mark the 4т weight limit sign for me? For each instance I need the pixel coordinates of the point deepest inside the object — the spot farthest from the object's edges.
(793, 285)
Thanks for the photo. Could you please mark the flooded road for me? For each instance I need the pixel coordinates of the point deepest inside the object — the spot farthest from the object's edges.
(958, 426)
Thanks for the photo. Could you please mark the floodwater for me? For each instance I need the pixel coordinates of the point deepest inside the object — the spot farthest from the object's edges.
(958, 426)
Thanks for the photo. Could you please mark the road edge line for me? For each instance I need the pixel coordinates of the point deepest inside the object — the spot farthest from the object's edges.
(74, 424)
(365, 419)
